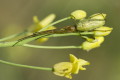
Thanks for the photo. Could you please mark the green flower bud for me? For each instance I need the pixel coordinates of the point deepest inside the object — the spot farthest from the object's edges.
(102, 31)
(78, 14)
(94, 21)
(90, 45)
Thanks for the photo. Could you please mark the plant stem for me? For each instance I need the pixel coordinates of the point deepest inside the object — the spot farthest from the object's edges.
(17, 43)
(10, 44)
(56, 22)
(52, 47)
(13, 36)
(25, 66)
(7, 44)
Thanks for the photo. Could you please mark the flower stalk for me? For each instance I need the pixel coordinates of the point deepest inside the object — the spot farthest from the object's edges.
(25, 66)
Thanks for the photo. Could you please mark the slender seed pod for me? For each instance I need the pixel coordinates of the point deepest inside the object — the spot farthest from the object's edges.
(94, 21)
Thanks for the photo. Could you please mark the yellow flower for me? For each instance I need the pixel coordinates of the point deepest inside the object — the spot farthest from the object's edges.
(67, 68)
(41, 24)
(90, 45)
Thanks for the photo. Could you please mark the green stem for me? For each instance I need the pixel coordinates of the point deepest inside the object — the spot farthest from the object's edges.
(56, 22)
(53, 47)
(21, 42)
(16, 43)
(25, 66)
(13, 36)
(9, 44)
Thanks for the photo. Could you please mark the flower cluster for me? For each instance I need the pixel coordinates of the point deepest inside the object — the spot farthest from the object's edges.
(67, 68)
(95, 25)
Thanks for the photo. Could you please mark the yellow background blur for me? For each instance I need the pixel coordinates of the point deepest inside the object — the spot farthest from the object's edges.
(16, 15)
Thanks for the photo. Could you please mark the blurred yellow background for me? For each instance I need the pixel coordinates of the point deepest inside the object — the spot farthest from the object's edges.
(16, 15)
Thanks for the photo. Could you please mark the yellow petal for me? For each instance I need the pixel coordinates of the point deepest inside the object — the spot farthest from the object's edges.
(83, 62)
(37, 27)
(62, 68)
(41, 24)
(59, 74)
(68, 76)
(47, 20)
(76, 68)
(73, 59)
(41, 40)
(35, 19)
(100, 39)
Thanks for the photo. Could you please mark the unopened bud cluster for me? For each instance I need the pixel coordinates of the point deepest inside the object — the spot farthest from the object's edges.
(95, 24)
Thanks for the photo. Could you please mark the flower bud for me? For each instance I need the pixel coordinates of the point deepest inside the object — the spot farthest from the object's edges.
(78, 14)
(90, 45)
(102, 31)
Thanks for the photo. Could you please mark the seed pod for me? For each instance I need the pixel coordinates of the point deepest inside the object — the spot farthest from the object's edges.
(94, 21)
